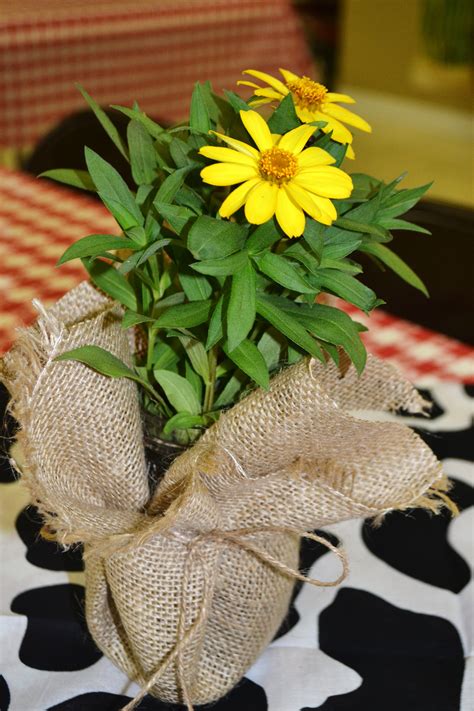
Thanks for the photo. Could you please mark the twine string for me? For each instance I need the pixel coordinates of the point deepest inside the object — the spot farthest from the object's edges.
(234, 537)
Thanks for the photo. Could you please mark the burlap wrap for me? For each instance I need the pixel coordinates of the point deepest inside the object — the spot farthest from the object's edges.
(157, 568)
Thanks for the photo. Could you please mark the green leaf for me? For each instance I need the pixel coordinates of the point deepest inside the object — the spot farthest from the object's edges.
(164, 356)
(288, 325)
(366, 212)
(338, 152)
(210, 238)
(394, 262)
(114, 191)
(195, 286)
(199, 118)
(185, 315)
(248, 358)
(93, 245)
(263, 237)
(170, 185)
(153, 128)
(270, 347)
(105, 122)
(284, 118)
(363, 227)
(304, 255)
(402, 201)
(339, 243)
(193, 379)
(112, 282)
(334, 326)
(240, 314)
(222, 267)
(229, 392)
(391, 223)
(180, 151)
(197, 355)
(151, 250)
(327, 324)
(347, 287)
(176, 216)
(179, 391)
(142, 154)
(183, 421)
(283, 272)
(187, 197)
(70, 176)
(364, 185)
(344, 265)
(100, 360)
(215, 331)
(237, 103)
(132, 318)
(313, 236)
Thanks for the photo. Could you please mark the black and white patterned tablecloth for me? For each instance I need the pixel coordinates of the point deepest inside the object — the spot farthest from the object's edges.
(395, 636)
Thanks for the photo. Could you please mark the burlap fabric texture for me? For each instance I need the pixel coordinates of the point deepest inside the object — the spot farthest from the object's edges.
(185, 587)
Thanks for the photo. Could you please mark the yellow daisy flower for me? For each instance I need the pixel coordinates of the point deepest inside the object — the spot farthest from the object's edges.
(279, 177)
(313, 102)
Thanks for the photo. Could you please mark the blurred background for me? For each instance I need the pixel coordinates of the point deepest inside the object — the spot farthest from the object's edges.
(408, 63)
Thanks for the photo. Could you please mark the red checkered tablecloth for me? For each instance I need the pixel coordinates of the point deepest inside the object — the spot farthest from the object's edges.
(122, 50)
(38, 220)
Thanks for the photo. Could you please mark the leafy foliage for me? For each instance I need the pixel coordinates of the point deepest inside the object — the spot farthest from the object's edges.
(222, 304)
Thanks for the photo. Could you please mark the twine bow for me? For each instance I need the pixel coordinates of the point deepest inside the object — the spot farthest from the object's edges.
(232, 537)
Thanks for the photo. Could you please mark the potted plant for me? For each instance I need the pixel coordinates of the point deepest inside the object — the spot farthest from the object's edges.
(204, 336)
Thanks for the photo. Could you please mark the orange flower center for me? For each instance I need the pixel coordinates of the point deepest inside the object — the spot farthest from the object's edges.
(277, 165)
(308, 94)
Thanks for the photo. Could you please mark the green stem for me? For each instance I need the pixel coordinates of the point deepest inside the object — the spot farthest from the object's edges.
(210, 386)
(152, 331)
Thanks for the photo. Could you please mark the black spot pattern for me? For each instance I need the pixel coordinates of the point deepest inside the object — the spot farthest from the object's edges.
(42, 553)
(56, 637)
(4, 694)
(7, 430)
(416, 543)
(246, 696)
(407, 661)
(456, 444)
(310, 552)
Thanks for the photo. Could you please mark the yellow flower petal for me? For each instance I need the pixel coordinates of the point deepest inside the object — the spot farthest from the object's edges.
(268, 93)
(294, 141)
(258, 129)
(237, 198)
(339, 132)
(252, 84)
(261, 202)
(314, 156)
(238, 145)
(326, 181)
(288, 76)
(289, 215)
(343, 98)
(306, 115)
(259, 102)
(350, 152)
(304, 199)
(268, 79)
(227, 155)
(327, 208)
(342, 114)
(227, 173)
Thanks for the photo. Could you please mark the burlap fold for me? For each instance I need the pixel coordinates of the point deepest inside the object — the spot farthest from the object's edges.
(200, 572)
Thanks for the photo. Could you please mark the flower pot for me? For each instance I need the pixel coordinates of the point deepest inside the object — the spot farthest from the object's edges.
(188, 583)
